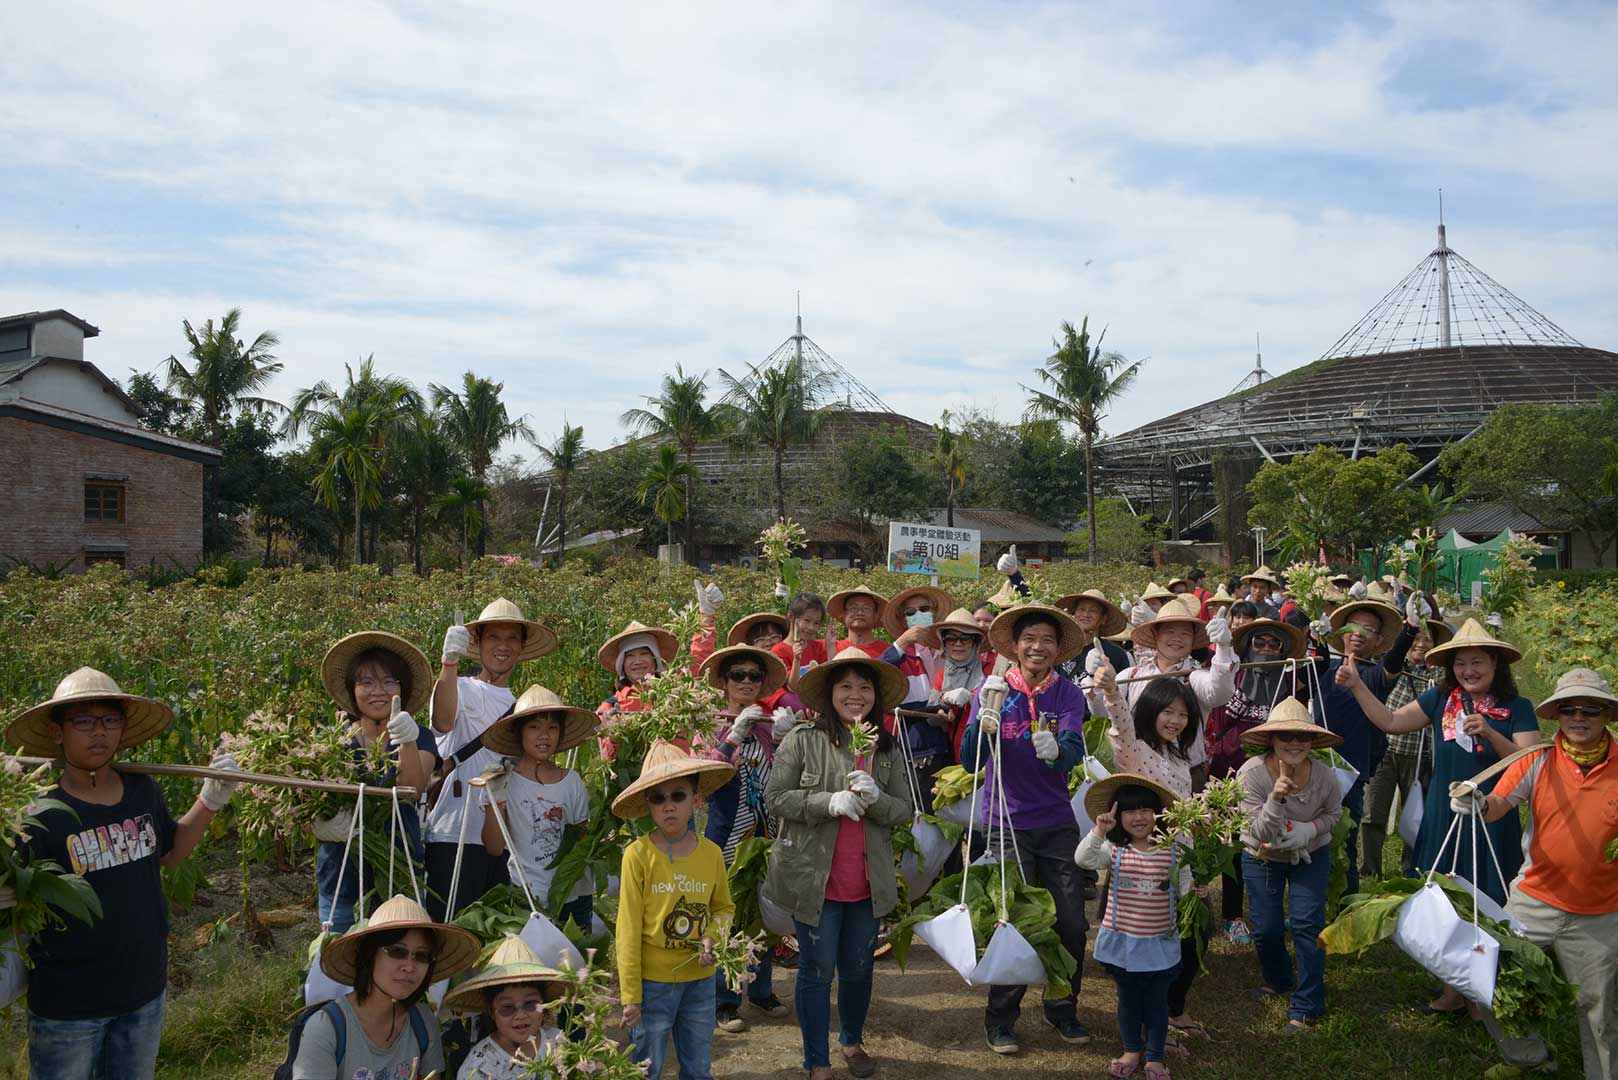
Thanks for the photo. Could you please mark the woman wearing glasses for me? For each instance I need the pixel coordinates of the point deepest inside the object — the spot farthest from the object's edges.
(365, 674)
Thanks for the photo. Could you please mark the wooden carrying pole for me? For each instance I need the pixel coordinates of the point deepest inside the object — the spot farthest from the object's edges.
(201, 772)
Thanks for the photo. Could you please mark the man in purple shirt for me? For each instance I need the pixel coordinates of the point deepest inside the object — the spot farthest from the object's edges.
(1039, 729)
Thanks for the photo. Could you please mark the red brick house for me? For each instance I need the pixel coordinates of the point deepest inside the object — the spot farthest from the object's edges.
(83, 482)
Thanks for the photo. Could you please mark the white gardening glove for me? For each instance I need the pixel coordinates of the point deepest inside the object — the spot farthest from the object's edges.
(863, 784)
(989, 719)
(334, 829)
(495, 783)
(1357, 591)
(1494, 620)
(1141, 614)
(1007, 564)
(781, 590)
(402, 729)
(1045, 746)
(1297, 838)
(457, 643)
(782, 718)
(960, 697)
(709, 597)
(742, 726)
(1321, 628)
(1093, 662)
(847, 804)
(1416, 610)
(1470, 800)
(216, 793)
(1219, 630)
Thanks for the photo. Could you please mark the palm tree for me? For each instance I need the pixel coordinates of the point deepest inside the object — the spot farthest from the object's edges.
(777, 407)
(1081, 381)
(464, 502)
(349, 433)
(679, 414)
(666, 485)
(948, 457)
(564, 456)
(476, 421)
(225, 374)
(425, 462)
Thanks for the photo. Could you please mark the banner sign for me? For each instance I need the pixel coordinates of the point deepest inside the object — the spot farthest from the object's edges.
(933, 549)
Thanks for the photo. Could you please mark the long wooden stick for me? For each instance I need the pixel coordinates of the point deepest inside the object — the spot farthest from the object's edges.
(202, 772)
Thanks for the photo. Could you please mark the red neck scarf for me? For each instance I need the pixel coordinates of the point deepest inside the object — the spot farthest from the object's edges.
(1018, 682)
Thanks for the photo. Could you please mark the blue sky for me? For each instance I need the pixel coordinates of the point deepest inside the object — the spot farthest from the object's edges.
(574, 200)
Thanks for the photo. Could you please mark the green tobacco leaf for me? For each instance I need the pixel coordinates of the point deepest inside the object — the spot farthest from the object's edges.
(1362, 925)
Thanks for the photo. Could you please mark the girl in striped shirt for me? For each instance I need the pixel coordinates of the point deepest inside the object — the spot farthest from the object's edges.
(1139, 941)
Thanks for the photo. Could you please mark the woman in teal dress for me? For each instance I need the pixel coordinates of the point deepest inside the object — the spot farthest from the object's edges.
(1477, 717)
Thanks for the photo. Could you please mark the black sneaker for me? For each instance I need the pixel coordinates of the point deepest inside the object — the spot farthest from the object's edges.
(1070, 1030)
(1001, 1040)
(729, 1018)
(770, 1006)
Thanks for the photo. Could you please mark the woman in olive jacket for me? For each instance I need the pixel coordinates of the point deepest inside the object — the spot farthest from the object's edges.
(832, 864)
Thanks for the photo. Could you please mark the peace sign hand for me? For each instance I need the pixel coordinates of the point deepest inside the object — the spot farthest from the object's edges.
(1107, 820)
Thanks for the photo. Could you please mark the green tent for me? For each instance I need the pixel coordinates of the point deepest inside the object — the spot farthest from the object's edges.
(1462, 562)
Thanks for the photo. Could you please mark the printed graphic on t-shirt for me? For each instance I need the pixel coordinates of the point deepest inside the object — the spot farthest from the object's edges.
(686, 924)
(109, 846)
(405, 1070)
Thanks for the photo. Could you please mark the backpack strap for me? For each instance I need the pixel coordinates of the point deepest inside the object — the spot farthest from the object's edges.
(419, 1026)
(339, 1026)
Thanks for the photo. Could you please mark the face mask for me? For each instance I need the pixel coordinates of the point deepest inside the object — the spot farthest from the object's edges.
(920, 618)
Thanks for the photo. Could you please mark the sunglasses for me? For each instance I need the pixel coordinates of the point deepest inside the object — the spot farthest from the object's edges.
(402, 953)
(745, 675)
(90, 723)
(1591, 711)
(510, 1009)
(949, 638)
(909, 610)
(657, 798)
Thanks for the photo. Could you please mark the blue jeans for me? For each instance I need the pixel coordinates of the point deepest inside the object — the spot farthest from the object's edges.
(106, 1048)
(1143, 1002)
(759, 990)
(1354, 804)
(844, 942)
(685, 1011)
(340, 912)
(1304, 915)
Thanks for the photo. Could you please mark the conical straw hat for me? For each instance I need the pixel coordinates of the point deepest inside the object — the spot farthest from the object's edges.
(665, 762)
(1384, 611)
(513, 963)
(738, 633)
(891, 685)
(577, 724)
(457, 949)
(1113, 619)
(144, 718)
(960, 620)
(1181, 609)
(1154, 591)
(1263, 573)
(1070, 637)
(775, 672)
(340, 657)
(893, 619)
(538, 639)
(1471, 635)
(1105, 790)
(839, 601)
(1291, 715)
(607, 655)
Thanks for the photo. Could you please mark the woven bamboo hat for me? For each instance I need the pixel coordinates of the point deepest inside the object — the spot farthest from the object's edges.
(1291, 715)
(666, 646)
(1002, 632)
(1471, 635)
(1006, 597)
(577, 724)
(738, 633)
(1154, 591)
(1177, 581)
(665, 762)
(1265, 574)
(456, 949)
(538, 639)
(1577, 684)
(891, 685)
(513, 963)
(1104, 791)
(144, 718)
(1384, 611)
(1294, 636)
(1342, 581)
(961, 622)
(1113, 619)
(1174, 611)
(339, 658)
(839, 601)
(775, 672)
(1221, 596)
(1439, 632)
(893, 617)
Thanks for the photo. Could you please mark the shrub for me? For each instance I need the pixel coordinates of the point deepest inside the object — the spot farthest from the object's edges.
(1595, 577)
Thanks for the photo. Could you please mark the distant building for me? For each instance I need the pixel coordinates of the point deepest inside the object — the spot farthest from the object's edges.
(84, 482)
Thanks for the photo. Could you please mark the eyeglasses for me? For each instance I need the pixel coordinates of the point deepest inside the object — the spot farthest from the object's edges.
(657, 798)
(745, 675)
(1591, 711)
(511, 1009)
(90, 723)
(390, 686)
(402, 953)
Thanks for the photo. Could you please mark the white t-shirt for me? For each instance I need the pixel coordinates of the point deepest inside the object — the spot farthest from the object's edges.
(488, 1061)
(480, 705)
(536, 814)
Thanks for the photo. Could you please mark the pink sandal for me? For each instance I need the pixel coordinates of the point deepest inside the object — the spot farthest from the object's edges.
(1156, 1070)
(1120, 1068)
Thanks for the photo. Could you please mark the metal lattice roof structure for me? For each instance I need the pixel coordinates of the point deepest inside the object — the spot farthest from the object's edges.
(852, 393)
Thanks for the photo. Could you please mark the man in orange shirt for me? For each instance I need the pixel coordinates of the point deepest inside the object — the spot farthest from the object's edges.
(1566, 895)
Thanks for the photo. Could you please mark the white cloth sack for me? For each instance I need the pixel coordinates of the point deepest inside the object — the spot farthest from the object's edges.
(919, 874)
(436, 992)
(1486, 904)
(777, 919)
(950, 936)
(1095, 771)
(550, 944)
(1008, 961)
(958, 812)
(13, 972)
(612, 885)
(317, 985)
(1434, 935)
(597, 925)
(1411, 813)
(1345, 780)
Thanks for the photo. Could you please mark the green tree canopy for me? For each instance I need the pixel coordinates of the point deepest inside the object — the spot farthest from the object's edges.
(1119, 534)
(875, 480)
(1325, 501)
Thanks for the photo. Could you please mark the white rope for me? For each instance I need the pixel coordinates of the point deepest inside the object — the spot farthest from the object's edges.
(460, 850)
(410, 863)
(972, 811)
(912, 779)
(342, 866)
(360, 884)
(393, 837)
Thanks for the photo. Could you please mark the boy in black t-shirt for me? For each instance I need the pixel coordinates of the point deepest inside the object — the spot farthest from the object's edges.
(95, 995)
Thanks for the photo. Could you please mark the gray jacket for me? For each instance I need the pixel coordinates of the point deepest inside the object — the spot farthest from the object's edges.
(808, 771)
